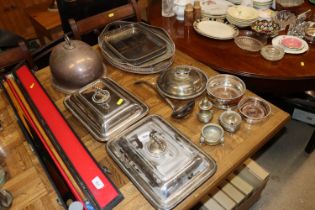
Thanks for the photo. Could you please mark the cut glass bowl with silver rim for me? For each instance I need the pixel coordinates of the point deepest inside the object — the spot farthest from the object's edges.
(272, 53)
(254, 109)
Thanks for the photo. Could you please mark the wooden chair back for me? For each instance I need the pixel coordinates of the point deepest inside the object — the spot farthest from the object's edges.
(15, 55)
(100, 20)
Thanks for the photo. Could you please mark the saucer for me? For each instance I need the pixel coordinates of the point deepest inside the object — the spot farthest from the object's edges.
(277, 41)
(292, 43)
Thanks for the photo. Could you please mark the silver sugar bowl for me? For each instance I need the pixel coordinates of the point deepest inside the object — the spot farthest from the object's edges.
(230, 121)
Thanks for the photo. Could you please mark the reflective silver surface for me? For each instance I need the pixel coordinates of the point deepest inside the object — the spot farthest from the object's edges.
(153, 64)
(182, 82)
(163, 164)
(74, 64)
(230, 120)
(105, 108)
(225, 90)
(212, 134)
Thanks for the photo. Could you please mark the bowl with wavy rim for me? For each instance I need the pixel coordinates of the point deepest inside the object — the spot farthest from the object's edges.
(250, 40)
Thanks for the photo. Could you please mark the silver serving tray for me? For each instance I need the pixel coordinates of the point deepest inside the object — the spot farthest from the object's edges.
(135, 44)
(105, 108)
(163, 164)
(154, 65)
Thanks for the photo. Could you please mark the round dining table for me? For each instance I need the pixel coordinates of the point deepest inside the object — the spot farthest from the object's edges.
(293, 73)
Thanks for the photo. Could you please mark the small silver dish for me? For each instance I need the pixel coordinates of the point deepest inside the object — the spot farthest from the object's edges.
(212, 134)
(230, 121)
(310, 34)
(254, 109)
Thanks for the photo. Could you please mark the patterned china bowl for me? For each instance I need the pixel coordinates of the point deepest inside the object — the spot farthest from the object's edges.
(266, 27)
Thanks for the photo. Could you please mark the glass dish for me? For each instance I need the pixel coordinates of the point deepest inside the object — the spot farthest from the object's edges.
(272, 53)
(284, 18)
(250, 40)
(254, 109)
(248, 43)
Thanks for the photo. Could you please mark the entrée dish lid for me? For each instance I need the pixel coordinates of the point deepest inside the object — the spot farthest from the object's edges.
(163, 164)
(182, 82)
(105, 108)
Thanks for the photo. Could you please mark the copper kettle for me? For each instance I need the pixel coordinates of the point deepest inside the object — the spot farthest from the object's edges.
(74, 64)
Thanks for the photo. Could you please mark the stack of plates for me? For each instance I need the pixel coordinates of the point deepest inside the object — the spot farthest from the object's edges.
(236, 2)
(290, 44)
(262, 4)
(215, 8)
(242, 16)
(137, 47)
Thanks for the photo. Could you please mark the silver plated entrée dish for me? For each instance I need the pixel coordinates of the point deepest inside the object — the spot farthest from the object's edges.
(105, 108)
(182, 82)
(163, 164)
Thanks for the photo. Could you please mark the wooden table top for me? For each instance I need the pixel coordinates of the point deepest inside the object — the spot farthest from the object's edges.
(31, 188)
(294, 72)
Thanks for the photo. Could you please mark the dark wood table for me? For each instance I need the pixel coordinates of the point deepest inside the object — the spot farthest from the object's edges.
(291, 74)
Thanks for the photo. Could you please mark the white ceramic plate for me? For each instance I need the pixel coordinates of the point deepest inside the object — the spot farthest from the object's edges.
(277, 42)
(242, 12)
(215, 7)
(215, 30)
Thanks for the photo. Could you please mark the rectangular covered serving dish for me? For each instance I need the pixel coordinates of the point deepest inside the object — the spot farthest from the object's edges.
(105, 108)
(164, 165)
